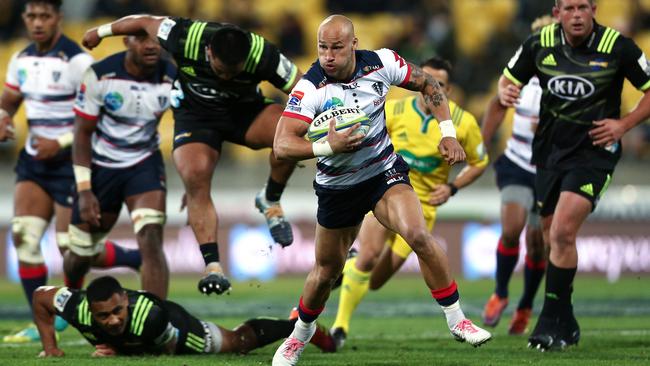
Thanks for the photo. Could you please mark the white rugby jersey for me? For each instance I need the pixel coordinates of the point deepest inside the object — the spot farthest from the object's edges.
(128, 110)
(315, 93)
(48, 83)
(519, 148)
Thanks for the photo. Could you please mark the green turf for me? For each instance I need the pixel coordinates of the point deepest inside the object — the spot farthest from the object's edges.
(396, 326)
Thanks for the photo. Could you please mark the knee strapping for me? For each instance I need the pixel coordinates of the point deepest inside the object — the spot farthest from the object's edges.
(30, 230)
(146, 216)
(86, 244)
(63, 240)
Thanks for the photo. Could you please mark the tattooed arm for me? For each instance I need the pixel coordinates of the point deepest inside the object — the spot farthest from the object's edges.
(436, 101)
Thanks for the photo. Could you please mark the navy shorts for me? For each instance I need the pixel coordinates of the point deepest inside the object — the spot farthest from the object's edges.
(112, 186)
(508, 173)
(590, 183)
(339, 208)
(55, 175)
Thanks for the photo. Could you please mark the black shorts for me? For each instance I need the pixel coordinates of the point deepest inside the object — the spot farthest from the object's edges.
(590, 183)
(55, 175)
(112, 186)
(508, 173)
(339, 208)
(214, 127)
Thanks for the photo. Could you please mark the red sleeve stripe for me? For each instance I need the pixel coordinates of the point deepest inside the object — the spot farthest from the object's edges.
(85, 115)
(297, 116)
(408, 76)
(13, 87)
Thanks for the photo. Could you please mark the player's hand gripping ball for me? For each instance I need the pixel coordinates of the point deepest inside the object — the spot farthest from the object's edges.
(344, 117)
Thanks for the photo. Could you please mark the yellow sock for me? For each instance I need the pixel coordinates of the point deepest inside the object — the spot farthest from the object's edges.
(353, 289)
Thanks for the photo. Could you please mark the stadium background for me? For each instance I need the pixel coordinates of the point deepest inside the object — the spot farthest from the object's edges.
(478, 36)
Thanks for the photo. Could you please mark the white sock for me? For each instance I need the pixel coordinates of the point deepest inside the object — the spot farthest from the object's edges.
(303, 331)
(453, 313)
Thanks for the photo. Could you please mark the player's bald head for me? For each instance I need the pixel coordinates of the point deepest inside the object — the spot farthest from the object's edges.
(338, 26)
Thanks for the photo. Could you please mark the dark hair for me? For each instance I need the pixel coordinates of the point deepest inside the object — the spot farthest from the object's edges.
(102, 288)
(56, 4)
(230, 44)
(437, 63)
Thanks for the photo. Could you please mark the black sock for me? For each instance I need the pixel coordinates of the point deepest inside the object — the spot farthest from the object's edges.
(506, 261)
(269, 330)
(274, 190)
(210, 252)
(533, 274)
(559, 286)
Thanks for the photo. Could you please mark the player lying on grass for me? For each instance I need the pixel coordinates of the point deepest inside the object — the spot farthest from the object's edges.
(118, 321)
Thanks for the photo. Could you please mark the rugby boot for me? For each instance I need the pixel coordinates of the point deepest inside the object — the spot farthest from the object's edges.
(493, 310)
(278, 226)
(519, 323)
(466, 331)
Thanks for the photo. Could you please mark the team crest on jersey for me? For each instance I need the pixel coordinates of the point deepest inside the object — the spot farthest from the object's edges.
(61, 298)
(113, 101)
(332, 103)
(378, 88)
(81, 95)
(56, 75)
(295, 98)
(162, 100)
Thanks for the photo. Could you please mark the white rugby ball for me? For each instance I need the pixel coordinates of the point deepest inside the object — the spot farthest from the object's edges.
(344, 117)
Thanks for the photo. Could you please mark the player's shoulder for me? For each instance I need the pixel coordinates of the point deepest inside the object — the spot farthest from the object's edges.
(610, 41)
(147, 310)
(398, 107)
(109, 66)
(314, 77)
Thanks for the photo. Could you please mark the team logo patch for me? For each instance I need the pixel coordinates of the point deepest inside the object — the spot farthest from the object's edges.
(378, 88)
(56, 75)
(598, 64)
(285, 67)
(295, 98)
(61, 298)
(333, 103)
(81, 95)
(22, 76)
(570, 87)
(643, 62)
(113, 101)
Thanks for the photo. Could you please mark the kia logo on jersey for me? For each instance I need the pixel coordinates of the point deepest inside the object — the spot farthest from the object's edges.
(570, 87)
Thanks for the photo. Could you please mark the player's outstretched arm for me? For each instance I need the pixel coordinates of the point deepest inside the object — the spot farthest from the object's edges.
(128, 26)
(289, 143)
(437, 102)
(81, 162)
(492, 119)
(44, 312)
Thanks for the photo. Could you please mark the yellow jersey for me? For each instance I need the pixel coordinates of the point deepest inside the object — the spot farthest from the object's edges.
(416, 136)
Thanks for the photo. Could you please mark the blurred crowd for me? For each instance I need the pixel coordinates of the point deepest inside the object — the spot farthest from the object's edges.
(477, 36)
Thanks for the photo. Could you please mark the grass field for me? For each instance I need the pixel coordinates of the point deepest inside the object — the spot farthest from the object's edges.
(400, 325)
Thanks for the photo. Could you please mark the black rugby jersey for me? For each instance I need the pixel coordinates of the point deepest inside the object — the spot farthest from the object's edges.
(581, 84)
(187, 41)
(150, 324)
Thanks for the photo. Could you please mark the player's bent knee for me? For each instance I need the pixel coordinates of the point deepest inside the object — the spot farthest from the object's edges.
(27, 233)
(147, 216)
(84, 244)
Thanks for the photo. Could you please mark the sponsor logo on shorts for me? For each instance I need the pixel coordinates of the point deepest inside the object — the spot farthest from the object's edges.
(182, 136)
(392, 176)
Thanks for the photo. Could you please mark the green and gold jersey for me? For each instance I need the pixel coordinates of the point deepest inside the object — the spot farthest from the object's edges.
(187, 41)
(416, 136)
(151, 323)
(580, 85)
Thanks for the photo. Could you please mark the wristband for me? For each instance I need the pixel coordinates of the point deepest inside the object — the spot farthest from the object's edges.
(447, 128)
(322, 148)
(82, 177)
(453, 188)
(105, 30)
(65, 140)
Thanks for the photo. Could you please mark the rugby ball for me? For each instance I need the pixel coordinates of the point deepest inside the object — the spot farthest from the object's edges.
(344, 117)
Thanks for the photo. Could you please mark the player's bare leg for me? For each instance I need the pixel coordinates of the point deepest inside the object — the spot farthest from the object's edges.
(148, 212)
(260, 135)
(556, 326)
(33, 209)
(195, 163)
(395, 210)
(387, 265)
(331, 250)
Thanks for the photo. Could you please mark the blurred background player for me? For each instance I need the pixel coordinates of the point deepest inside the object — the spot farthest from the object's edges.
(45, 75)
(216, 99)
(357, 173)
(117, 159)
(118, 321)
(577, 143)
(413, 129)
(515, 177)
